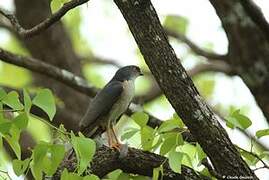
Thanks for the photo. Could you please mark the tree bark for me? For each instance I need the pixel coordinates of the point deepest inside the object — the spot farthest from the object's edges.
(133, 161)
(54, 46)
(179, 89)
(248, 49)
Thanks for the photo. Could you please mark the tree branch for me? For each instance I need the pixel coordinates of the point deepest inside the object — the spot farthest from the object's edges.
(256, 15)
(61, 75)
(27, 33)
(194, 47)
(212, 66)
(133, 161)
(152, 41)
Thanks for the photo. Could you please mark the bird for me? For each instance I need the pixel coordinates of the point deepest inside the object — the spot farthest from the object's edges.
(110, 103)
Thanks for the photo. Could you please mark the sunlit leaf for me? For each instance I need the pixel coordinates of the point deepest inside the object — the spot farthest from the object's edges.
(129, 134)
(2, 93)
(91, 177)
(114, 175)
(200, 153)
(168, 144)
(84, 149)
(239, 120)
(157, 173)
(13, 140)
(250, 158)
(12, 100)
(5, 127)
(27, 101)
(140, 118)
(70, 176)
(21, 121)
(174, 160)
(39, 153)
(147, 137)
(262, 132)
(56, 155)
(171, 124)
(45, 100)
(20, 166)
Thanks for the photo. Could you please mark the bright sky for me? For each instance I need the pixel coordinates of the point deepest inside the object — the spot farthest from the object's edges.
(106, 32)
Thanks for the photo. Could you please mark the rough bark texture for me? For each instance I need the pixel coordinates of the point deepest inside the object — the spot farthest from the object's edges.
(133, 161)
(248, 49)
(179, 89)
(54, 46)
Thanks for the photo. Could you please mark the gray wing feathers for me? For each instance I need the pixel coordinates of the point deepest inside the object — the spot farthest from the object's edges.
(101, 105)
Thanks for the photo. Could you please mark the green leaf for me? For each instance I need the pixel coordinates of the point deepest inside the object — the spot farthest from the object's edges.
(70, 176)
(114, 175)
(200, 153)
(5, 127)
(2, 93)
(13, 140)
(57, 153)
(239, 120)
(21, 121)
(45, 100)
(168, 144)
(262, 132)
(171, 124)
(19, 166)
(251, 159)
(129, 134)
(12, 100)
(176, 23)
(27, 101)
(1, 142)
(140, 118)
(91, 177)
(157, 172)
(174, 160)
(84, 149)
(147, 137)
(124, 176)
(39, 154)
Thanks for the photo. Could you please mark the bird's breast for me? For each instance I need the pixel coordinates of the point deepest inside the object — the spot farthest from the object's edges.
(123, 102)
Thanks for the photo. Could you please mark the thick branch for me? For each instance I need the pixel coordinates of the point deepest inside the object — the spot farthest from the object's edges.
(194, 47)
(134, 161)
(256, 15)
(179, 89)
(61, 75)
(26, 33)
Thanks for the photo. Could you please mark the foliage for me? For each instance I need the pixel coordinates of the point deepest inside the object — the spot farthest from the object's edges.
(46, 156)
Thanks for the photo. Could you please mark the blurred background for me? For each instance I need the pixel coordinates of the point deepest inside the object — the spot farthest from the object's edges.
(98, 29)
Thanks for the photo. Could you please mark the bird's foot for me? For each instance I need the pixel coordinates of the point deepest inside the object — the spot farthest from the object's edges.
(116, 146)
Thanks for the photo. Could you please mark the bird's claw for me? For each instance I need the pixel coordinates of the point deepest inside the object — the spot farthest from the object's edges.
(116, 146)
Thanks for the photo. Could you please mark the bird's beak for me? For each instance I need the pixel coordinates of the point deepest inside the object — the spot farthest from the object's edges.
(141, 74)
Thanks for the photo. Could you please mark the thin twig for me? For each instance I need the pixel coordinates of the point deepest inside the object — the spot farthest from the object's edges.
(254, 155)
(50, 125)
(194, 47)
(27, 33)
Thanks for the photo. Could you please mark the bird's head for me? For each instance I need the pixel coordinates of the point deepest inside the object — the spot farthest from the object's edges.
(127, 73)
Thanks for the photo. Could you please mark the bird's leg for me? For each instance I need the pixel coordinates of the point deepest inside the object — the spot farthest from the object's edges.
(109, 137)
(115, 141)
(114, 134)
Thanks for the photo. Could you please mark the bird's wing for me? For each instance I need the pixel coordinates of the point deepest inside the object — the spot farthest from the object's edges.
(101, 105)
